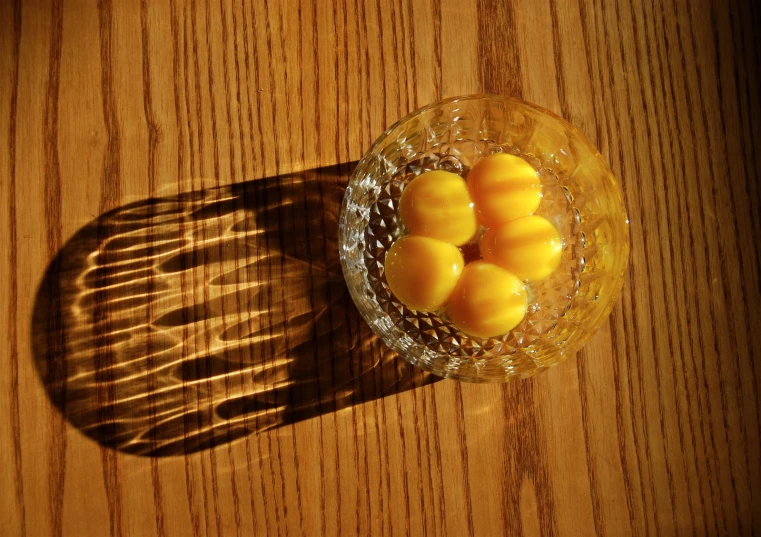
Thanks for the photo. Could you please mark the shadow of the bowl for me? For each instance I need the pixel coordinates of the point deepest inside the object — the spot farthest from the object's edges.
(176, 324)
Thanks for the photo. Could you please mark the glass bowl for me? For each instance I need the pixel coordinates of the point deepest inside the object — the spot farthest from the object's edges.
(581, 197)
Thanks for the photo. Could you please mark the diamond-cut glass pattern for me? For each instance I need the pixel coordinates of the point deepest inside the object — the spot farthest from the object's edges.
(580, 197)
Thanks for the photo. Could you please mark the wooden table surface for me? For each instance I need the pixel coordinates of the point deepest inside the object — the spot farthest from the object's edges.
(179, 355)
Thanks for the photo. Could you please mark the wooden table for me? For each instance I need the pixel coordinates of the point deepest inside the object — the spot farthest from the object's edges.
(179, 355)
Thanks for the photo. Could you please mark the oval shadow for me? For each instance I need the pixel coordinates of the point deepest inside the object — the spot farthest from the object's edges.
(173, 325)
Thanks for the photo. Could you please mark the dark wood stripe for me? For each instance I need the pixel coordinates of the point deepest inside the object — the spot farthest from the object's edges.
(245, 254)
(382, 86)
(666, 126)
(594, 487)
(402, 109)
(525, 460)
(500, 73)
(708, 256)
(659, 239)
(741, 328)
(150, 116)
(463, 445)
(510, 492)
(200, 169)
(702, 345)
(747, 203)
(329, 299)
(368, 496)
(405, 477)
(620, 425)
(419, 432)
(651, 304)
(412, 72)
(366, 71)
(259, 198)
(204, 336)
(618, 337)
(424, 451)
(383, 476)
(613, 325)
(302, 159)
(53, 220)
(188, 72)
(231, 376)
(111, 184)
(262, 274)
(499, 67)
(110, 196)
(439, 467)
(410, 79)
(242, 79)
(252, 88)
(756, 119)
(279, 509)
(594, 490)
(247, 170)
(557, 53)
(676, 252)
(691, 267)
(754, 198)
(599, 138)
(153, 135)
(656, 373)
(400, 58)
(356, 398)
(668, 252)
(11, 315)
(612, 126)
(745, 119)
(286, 214)
(178, 87)
(346, 120)
(296, 464)
(631, 338)
(181, 71)
(341, 105)
(438, 69)
(219, 232)
(629, 303)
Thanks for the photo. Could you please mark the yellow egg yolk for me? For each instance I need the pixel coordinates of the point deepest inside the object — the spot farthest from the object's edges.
(488, 301)
(422, 272)
(437, 204)
(529, 247)
(504, 187)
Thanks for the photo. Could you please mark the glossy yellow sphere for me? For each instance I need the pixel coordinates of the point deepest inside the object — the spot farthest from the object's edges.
(489, 301)
(529, 247)
(437, 204)
(422, 272)
(504, 187)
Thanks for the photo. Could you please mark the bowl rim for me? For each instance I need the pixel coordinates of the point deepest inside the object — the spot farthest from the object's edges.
(476, 97)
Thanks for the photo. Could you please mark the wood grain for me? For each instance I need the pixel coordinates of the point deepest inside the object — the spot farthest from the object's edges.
(654, 429)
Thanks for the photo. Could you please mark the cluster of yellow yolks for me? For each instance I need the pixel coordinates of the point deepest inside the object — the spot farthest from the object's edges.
(426, 271)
